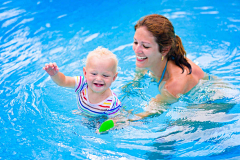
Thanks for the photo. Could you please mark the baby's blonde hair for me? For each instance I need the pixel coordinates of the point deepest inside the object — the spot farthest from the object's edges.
(101, 52)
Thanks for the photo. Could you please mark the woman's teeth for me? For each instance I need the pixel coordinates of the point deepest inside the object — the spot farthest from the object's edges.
(141, 58)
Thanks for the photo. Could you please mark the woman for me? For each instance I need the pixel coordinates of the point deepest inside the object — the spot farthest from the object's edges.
(160, 51)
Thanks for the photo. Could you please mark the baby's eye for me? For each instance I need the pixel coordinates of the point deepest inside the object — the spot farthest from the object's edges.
(94, 74)
(105, 75)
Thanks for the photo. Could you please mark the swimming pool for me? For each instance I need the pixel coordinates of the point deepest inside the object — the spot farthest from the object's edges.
(36, 115)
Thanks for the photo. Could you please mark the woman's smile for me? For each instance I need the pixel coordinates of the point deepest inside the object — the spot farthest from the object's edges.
(141, 58)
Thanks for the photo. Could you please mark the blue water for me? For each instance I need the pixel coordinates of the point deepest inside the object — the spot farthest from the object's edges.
(36, 120)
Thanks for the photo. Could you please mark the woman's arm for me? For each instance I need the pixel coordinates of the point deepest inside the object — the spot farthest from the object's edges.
(158, 104)
(135, 83)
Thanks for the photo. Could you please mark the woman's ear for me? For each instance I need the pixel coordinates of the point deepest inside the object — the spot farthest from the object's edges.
(165, 50)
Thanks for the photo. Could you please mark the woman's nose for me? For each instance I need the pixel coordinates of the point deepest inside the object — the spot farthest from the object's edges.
(138, 49)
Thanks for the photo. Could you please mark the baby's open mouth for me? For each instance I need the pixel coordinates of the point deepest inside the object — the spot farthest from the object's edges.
(98, 84)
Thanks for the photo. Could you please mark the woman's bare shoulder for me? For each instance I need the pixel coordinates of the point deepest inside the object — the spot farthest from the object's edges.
(165, 95)
(176, 85)
(181, 82)
(196, 70)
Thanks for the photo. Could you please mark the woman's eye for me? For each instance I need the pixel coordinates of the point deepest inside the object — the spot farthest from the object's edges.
(145, 47)
(135, 42)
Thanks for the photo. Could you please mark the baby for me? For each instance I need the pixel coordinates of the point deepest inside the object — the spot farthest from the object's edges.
(93, 91)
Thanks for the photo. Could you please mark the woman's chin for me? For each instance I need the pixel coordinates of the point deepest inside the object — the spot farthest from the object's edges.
(140, 65)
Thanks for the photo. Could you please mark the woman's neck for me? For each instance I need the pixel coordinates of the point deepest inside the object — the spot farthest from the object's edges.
(157, 69)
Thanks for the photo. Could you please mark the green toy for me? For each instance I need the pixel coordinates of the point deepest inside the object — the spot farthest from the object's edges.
(108, 124)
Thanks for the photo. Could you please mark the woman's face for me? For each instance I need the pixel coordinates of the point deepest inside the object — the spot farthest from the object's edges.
(146, 49)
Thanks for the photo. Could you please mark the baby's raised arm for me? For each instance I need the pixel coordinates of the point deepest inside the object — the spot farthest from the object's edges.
(58, 77)
(51, 68)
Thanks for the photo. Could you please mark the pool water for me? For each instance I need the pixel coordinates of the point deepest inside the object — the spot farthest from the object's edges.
(36, 119)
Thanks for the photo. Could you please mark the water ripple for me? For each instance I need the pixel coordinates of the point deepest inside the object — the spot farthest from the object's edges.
(36, 115)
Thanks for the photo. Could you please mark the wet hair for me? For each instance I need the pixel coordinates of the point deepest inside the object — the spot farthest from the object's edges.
(163, 31)
(101, 52)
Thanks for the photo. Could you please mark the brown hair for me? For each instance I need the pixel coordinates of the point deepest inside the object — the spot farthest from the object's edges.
(163, 31)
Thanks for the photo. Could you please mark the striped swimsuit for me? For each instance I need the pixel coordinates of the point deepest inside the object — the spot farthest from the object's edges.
(108, 107)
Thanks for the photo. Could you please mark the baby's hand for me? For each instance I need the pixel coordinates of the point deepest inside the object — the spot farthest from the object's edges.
(51, 68)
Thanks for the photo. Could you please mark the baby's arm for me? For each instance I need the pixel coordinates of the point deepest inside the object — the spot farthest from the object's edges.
(58, 77)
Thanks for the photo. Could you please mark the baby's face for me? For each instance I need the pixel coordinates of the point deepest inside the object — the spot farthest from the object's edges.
(100, 73)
